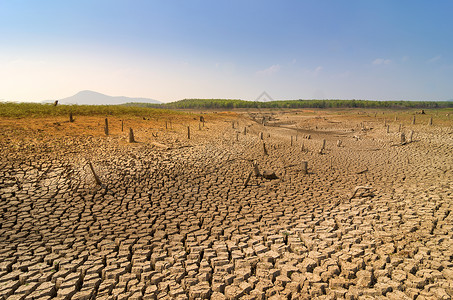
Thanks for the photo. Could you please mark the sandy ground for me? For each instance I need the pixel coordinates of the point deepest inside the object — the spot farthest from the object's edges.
(176, 217)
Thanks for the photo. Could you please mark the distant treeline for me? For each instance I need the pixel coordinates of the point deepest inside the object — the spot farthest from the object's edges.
(232, 104)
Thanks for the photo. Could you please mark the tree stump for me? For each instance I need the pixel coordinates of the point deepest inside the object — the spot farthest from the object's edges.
(403, 138)
(188, 132)
(248, 179)
(264, 149)
(71, 119)
(122, 125)
(304, 167)
(96, 178)
(106, 127)
(413, 120)
(256, 170)
(131, 136)
(430, 122)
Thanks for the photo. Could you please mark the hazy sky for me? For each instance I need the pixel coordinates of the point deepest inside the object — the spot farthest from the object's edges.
(170, 50)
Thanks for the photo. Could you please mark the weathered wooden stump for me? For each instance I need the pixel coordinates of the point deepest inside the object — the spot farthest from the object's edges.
(106, 127)
(256, 170)
(131, 136)
(248, 179)
(413, 120)
(304, 167)
(403, 138)
(122, 125)
(388, 128)
(264, 149)
(71, 119)
(96, 178)
(411, 134)
(430, 122)
(188, 132)
(245, 130)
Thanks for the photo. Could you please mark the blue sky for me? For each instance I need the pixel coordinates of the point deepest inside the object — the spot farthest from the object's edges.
(170, 50)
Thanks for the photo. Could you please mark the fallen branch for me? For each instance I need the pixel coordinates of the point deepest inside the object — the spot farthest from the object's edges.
(96, 178)
(360, 187)
(363, 171)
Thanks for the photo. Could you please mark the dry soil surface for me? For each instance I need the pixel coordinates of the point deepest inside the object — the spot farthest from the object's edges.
(173, 217)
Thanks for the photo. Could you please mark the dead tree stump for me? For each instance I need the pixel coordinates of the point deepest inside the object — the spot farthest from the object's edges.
(248, 179)
(304, 167)
(411, 134)
(71, 119)
(430, 122)
(122, 125)
(96, 178)
(264, 149)
(256, 170)
(188, 132)
(131, 136)
(388, 128)
(106, 127)
(403, 138)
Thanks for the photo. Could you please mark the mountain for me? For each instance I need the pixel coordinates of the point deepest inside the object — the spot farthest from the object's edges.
(95, 98)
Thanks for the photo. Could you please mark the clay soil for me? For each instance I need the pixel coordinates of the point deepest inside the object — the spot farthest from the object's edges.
(180, 218)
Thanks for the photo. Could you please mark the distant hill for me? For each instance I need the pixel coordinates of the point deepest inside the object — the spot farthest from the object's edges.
(95, 98)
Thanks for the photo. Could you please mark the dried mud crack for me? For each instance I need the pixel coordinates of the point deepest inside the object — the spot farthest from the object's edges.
(173, 219)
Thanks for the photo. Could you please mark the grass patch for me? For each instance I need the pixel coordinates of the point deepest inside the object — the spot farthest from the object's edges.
(20, 110)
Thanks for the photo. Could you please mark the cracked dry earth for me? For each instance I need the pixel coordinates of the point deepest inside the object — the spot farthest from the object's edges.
(173, 219)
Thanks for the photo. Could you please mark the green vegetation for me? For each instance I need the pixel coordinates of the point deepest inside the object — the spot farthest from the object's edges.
(231, 104)
(18, 110)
